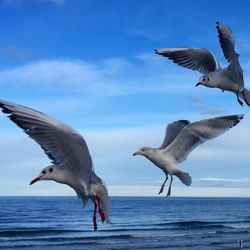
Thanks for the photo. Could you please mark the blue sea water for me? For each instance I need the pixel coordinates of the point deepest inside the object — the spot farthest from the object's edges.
(137, 223)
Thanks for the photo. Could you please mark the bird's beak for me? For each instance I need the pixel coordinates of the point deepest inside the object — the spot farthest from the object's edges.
(197, 84)
(36, 179)
(135, 153)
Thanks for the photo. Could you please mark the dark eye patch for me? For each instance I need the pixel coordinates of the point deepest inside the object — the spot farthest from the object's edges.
(51, 170)
(43, 172)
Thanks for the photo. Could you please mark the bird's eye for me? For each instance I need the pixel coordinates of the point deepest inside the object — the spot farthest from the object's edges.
(43, 172)
(142, 149)
(51, 170)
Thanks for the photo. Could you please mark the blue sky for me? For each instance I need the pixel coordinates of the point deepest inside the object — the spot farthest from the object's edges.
(92, 65)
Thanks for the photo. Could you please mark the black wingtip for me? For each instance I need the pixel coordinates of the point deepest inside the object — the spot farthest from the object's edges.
(5, 109)
(239, 118)
(218, 26)
(156, 52)
(184, 122)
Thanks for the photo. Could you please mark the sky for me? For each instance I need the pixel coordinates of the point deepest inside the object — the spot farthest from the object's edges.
(91, 64)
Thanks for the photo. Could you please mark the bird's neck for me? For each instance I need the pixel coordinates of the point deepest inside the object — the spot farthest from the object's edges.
(63, 176)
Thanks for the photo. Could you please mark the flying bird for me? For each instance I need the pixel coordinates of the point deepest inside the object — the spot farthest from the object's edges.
(204, 61)
(181, 138)
(66, 148)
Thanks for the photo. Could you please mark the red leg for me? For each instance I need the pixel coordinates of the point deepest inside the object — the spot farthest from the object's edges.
(169, 189)
(162, 186)
(102, 215)
(94, 217)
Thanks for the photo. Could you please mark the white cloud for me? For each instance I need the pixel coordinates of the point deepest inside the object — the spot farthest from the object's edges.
(114, 76)
(223, 182)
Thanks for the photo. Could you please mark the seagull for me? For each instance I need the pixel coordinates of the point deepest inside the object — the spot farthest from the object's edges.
(66, 148)
(181, 138)
(204, 61)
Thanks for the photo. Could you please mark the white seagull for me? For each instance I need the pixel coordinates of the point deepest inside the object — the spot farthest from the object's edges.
(180, 139)
(68, 151)
(203, 60)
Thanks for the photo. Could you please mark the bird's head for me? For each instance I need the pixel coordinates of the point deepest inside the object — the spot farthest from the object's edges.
(204, 80)
(48, 173)
(145, 151)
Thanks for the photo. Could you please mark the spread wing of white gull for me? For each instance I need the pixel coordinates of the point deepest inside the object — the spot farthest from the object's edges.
(180, 139)
(68, 151)
(203, 60)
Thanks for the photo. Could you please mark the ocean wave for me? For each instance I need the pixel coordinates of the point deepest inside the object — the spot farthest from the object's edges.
(25, 232)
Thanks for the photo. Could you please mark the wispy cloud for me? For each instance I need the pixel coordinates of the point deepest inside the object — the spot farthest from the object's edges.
(198, 103)
(113, 76)
(14, 51)
(223, 182)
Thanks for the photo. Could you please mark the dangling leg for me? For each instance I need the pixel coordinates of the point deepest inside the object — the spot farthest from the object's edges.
(238, 99)
(169, 189)
(102, 215)
(94, 217)
(245, 99)
(162, 186)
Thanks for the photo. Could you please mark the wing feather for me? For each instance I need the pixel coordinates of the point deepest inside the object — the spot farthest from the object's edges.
(227, 43)
(199, 59)
(198, 132)
(172, 130)
(63, 145)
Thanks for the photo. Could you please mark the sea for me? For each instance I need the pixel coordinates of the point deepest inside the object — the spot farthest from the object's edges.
(137, 223)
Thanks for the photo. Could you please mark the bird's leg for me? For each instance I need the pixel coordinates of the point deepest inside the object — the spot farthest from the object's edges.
(169, 188)
(94, 216)
(162, 186)
(238, 99)
(102, 215)
(245, 99)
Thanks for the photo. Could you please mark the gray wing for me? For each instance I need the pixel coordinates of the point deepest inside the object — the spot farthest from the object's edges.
(172, 130)
(198, 132)
(227, 43)
(62, 144)
(198, 59)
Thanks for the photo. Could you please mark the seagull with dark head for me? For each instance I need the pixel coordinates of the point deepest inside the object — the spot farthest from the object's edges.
(68, 151)
(201, 59)
(180, 139)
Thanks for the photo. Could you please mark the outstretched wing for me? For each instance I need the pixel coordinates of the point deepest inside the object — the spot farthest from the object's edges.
(62, 144)
(227, 43)
(172, 130)
(198, 59)
(198, 132)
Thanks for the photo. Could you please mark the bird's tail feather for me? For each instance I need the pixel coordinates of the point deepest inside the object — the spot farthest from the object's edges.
(184, 177)
(102, 192)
